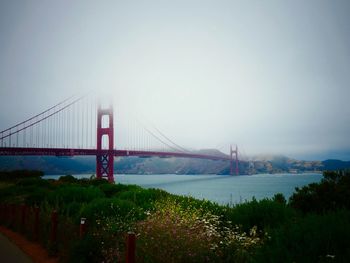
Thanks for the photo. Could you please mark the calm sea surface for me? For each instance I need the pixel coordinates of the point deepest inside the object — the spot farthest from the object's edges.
(220, 188)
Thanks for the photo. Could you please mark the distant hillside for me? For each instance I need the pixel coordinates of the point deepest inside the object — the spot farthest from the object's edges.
(49, 164)
(135, 165)
(125, 165)
(335, 164)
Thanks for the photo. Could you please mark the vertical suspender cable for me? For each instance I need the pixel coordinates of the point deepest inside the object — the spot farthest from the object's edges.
(50, 131)
(82, 124)
(59, 129)
(76, 125)
(56, 133)
(73, 126)
(67, 133)
(17, 137)
(37, 134)
(31, 136)
(86, 124)
(24, 137)
(56, 130)
(42, 134)
(92, 122)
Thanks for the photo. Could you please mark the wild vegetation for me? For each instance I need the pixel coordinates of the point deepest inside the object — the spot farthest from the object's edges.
(313, 226)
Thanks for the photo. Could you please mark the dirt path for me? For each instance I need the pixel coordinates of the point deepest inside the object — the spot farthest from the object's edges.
(10, 253)
(15, 248)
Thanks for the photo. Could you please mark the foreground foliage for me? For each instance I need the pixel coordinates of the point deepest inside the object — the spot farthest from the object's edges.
(314, 226)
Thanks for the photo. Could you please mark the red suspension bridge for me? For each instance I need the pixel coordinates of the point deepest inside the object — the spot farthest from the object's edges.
(80, 126)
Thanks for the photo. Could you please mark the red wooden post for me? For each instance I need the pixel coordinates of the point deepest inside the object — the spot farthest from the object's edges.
(13, 215)
(54, 222)
(82, 227)
(130, 247)
(1, 213)
(6, 212)
(36, 223)
(23, 216)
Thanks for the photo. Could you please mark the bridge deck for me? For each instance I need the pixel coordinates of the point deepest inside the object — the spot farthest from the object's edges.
(10, 151)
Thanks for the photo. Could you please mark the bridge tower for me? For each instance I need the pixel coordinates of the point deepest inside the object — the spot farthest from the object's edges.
(105, 157)
(236, 160)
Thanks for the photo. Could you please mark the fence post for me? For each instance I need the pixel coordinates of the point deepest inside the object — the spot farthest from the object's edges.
(13, 216)
(82, 231)
(6, 214)
(23, 216)
(1, 213)
(54, 222)
(36, 223)
(130, 247)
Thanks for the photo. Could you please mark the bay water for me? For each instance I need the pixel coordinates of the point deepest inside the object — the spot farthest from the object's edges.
(222, 189)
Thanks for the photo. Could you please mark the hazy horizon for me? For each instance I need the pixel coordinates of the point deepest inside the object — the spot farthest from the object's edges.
(272, 77)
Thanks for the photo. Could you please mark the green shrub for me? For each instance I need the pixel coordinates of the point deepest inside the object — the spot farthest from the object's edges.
(38, 182)
(313, 238)
(330, 194)
(74, 193)
(143, 197)
(172, 233)
(72, 209)
(108, 207)
(36, 196)
(201, 206)
(113, 189)
(86, 250)
(263, 214)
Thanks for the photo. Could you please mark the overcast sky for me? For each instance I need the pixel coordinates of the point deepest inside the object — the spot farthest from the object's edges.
(271, 76)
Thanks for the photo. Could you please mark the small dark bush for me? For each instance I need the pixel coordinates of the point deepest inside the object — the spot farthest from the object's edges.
(38, 182)
(67, 179)
(19, 174)
(94, 182)
(8, 193)
(279, 198)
